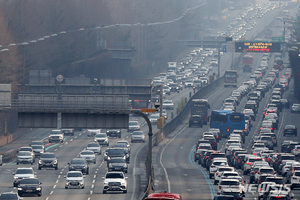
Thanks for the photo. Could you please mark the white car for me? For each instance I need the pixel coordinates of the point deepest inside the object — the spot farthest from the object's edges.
(215, 164)
(74, 179)
(133, 126)
(248, 164)
(296, 150)
(295, 179)
(264, 170)
(88, 155)
(114, 181)
(229, 183)
(93, 132)
(56, 136)
(102, 139)
(23, 173)
(138, 136)
(95, 147)
(168, 105)
(220, 171)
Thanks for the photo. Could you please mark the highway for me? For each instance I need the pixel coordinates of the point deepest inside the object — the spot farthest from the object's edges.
(173, 157)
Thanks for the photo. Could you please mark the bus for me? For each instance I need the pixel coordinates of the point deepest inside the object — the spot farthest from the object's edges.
(247, 60)
(227, 121)
(230, 78)
(200, 107)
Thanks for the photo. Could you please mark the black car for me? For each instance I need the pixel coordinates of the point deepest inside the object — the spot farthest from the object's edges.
(30, 186)
(116, 152)
(285, 103)
(290, 130)
(68, 131)
(48, 160)
(114, 133)
(117, 164)
(195, 120)
(79, 164)
(247, 68)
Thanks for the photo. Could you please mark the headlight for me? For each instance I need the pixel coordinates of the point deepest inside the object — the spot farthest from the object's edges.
(105, 183)
(67, 183)
(20, 189)
(110, 165)
(124, 157)
(108, 158)
(124, 165)
(38, 188)
(118, 131)
(55, 161)
(15, 177)
(95, 140)
(40, 161)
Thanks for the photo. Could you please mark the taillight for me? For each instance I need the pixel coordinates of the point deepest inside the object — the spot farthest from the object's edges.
(220, 187)
(217, 136)
(252, 172)
(282, 75)
(268, 159)
(217, 174)
(248, 163)
(239, 160)
(259, 181)
(212, 166)
(271, 129)
(228, 129)
(296, 149)
(286, 84)
(294, 178)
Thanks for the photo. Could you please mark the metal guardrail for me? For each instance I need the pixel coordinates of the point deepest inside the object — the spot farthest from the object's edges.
(53, 106)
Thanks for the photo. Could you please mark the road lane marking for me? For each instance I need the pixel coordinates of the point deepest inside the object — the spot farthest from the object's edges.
(47, 198)
(94, 181)
(58, 176)
(75, 137)
(54, 186)
(95, 176)
(56, 181)
(51, 192)
(92, 186)
(55, 150)
(71, 140)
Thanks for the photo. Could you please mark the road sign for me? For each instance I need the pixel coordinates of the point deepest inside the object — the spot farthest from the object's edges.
(278, 39)
(224, 47)
(258, 46)
(148, 110)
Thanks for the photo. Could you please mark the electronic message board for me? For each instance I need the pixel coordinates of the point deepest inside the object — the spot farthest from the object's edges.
(257, 46)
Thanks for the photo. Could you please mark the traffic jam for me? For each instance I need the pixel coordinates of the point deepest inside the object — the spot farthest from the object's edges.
(243, 160)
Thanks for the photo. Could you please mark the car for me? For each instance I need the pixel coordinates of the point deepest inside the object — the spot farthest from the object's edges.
(10, 196)
(235, 192)
(68, 131)
(37, 142)
(295, 108)
(133, 126)
(56, 136)
(79, 164)
(124, 142)
(290, 130)
(28, 149)
(138, 136)
(48, 160)
(217, 162)
(88, 155)
(263, 170)
(195, 120)
(220, 171)
(102, 139)
(23, 172)
(114, 133)
(229, 183)
(118, 164)
(30, 186)
(295, 180)
(74, 179)
(93, 132)
(24, 157)
(154, 118)
(95, 147)
(168, 105)
(114, 181)
(38, 149)
(116, 152)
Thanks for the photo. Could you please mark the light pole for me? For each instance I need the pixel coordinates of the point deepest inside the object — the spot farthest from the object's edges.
(24, 63)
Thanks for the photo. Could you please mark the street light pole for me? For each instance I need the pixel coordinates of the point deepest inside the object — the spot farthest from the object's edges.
(219, 46)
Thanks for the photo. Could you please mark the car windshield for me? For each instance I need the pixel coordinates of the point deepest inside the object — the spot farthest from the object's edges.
(29, 181)
(133, 123)
(87, 153)
(93, 145)
(74, 174)
(37, 146)
(100, 136)
(47, 155)
(25, 149)
(55, 132)
(24, 153)
(37, 143)
(297, 173)
(114, 152)
(224, 169)
(78, 162)
(119, 160)
(137, 133)
(24, 171)
(122, 142)
(267, 171)
(226, 182)
(274, 180)
(168, 101)
(114, 175)
(11, 196)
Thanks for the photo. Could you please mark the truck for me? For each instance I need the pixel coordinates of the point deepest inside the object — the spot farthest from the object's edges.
(230, 78)
(200, 107)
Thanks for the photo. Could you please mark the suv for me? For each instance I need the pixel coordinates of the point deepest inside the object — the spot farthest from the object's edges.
(23, 173)
(56, 136)
(68, 131)
(30, 186)
(116, 152)
(24, 157)
(48, 160)
(74, 179)
(133, 126)
(118, 164)
(114, 181)
(113, 133)
(79, 164)
(102, 139)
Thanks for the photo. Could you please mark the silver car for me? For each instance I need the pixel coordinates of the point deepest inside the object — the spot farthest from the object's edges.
(138, 136)
(88, 155)
(74, 179)
(95, 147)
(24, 157)
(295, 108)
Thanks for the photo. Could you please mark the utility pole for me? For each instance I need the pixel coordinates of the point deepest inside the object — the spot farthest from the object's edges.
(219, 47)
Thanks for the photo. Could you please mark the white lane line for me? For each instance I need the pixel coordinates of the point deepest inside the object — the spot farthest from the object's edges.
(75, 137)
(91, 192)
(71, 140)
(47, 198)
(160, 159)
(58, 176)
(54, 186)
(134, 177)
(66, 143)
(60, 172)
(61, 145)
(62, 169)
(51, 192)
(80, 133)
(55, 149)
(95, 176)
(96, 172)
(92, 186)
(94, 181)
(56, 181)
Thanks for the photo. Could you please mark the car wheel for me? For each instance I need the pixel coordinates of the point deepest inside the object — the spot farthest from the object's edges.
(126, 171)
(95, 162)
(66, 187)
(104, 192)
(124, 191)
(20, 194)
(39, 168)
(82, 187)
(215, 182)
(39, 194)
(87, 172)
(17, 163)
(56, 168)
(210, 176)
(31, 163)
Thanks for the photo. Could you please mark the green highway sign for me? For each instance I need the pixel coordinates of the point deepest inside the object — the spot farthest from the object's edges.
(277, 39)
